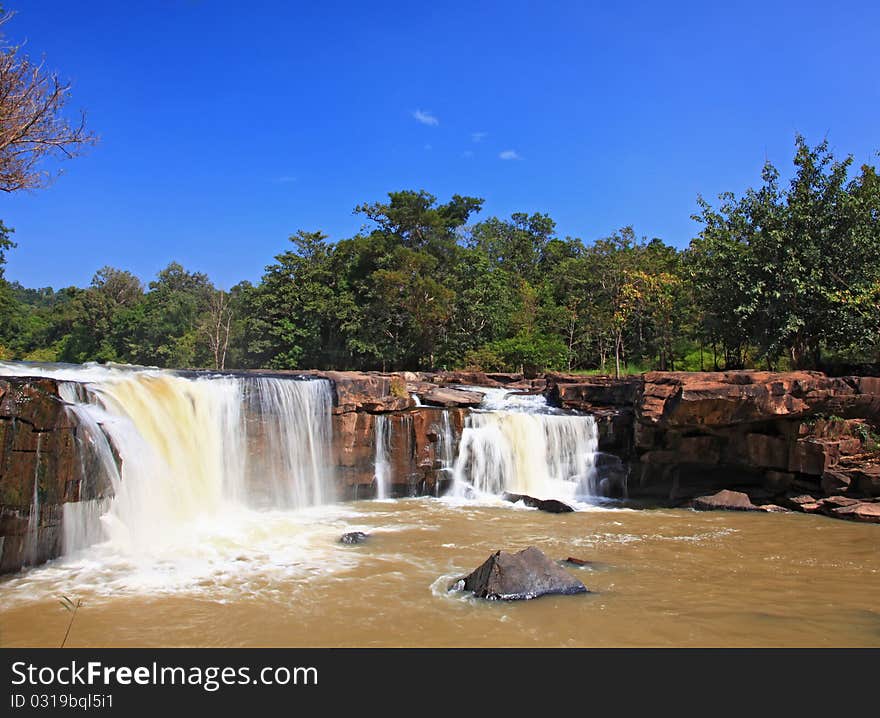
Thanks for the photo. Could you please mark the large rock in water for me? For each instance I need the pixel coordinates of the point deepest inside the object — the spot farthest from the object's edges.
(517, 576)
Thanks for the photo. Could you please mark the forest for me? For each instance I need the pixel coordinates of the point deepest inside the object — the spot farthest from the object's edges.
(782, 276)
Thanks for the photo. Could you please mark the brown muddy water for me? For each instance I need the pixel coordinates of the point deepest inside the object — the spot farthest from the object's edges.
(662, 578)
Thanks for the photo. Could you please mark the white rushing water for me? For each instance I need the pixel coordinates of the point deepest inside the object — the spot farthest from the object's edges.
(382, 463)
(517, 443)
(191, 452)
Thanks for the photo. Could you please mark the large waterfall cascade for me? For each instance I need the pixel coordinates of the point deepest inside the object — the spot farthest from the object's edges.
(190, 450)
(517, 443)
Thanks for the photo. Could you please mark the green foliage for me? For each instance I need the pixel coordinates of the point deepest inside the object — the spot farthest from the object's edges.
(780, 277)
(792, 272)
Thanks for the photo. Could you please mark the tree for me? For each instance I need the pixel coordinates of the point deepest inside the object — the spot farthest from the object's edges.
(790, 272)
(216, 326)
(32, 123)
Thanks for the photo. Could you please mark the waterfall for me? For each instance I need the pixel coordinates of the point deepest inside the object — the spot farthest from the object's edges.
(445, 446)
(32, 539)
(181, 452)
(382, 470)
(518, 444)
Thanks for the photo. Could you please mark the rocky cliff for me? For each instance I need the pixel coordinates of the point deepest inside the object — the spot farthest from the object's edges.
(795, 439)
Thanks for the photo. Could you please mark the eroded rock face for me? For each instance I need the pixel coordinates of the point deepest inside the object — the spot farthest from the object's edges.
(41, 454)
(517, 576)
(415, 451)
(762, 434)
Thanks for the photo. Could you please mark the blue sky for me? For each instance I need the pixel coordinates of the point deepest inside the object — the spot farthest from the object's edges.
(227, 126)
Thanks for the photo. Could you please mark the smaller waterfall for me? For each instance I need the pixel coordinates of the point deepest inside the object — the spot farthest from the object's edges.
(32, 540)
(382, 465)
(445, 447)
(517, 443)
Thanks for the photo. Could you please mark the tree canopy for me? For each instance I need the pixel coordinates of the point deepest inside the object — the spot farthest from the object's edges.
(785, 275)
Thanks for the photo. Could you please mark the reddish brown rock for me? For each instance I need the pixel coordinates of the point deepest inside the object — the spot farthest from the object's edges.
(861, 511)
(765, 451)
(728, 398)
(444, 396)
(725, 500)
(699, 450)
(836, 481)
(813, 456)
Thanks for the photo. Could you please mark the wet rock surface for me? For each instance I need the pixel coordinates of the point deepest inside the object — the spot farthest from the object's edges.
(519, 576)
(354, 537)
(552, 506)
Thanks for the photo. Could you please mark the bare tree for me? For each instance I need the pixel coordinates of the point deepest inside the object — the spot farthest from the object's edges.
(216, 326)
(32, 126)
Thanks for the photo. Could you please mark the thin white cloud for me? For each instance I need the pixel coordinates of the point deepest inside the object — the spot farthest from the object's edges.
(509, 155)
(479, 136)
(426, 118)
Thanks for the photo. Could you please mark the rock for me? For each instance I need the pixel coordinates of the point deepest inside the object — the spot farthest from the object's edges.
(517, 576)
(767, 452)
(838, 502)
(354, 537)
(802, 502)
(551, 506)
(835, 481)
(588, 393)
(468, 378)
(860, 511)
(741, 397)
(867, 479)
(579, 562)
(444, 396)
(774, 509)
(697, 450)
(813, 456)
(777, 481)
(725, 500)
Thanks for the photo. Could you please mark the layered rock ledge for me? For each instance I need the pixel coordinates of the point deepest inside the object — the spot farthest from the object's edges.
(774, 436)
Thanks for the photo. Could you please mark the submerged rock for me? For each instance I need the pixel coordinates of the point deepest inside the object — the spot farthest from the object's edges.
(725, 500)
(354, 537)
(518, 576)
(549, 505)
(579, 562)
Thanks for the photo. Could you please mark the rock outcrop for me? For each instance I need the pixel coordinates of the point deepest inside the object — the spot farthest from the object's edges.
(685, 435)
(518, 576)
(43, 465)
